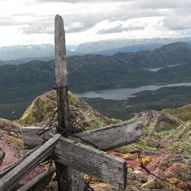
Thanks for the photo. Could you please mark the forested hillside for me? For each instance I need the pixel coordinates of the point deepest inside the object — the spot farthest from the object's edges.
(19, 84)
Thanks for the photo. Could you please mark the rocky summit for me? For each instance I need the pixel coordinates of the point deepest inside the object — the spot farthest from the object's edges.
(159, 160)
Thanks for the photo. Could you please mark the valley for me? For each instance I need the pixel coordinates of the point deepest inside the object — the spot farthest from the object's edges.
(145, 73)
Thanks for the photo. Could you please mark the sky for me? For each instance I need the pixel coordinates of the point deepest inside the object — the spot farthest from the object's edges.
(25, 22)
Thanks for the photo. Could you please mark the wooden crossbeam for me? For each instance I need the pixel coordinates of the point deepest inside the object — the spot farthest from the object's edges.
(113, 136)
(104, 138)
(108, 168)
(39, 182)
(30, 137)
(84, 158)
(8, 181)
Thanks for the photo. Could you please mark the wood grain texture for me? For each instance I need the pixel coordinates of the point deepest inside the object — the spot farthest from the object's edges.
(104, 138)
(113, 136)
(108, 168)
(40, 182)
(30, 137)
(62, 97)
(2, 155)
(76, 179)
(8, 181)
(60, 53)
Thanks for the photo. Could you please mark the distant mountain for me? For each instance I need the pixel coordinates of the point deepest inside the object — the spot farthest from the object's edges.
(93, 72)
(26, 51)
(133, 48)
(109, 47)
(11, 62)
(168, 64)
(45, 52)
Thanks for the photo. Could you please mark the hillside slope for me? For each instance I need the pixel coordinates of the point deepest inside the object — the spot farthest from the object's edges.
(164, 148)
(81, 114)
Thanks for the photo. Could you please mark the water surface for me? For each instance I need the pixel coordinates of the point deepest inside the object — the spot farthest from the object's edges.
(125, 93)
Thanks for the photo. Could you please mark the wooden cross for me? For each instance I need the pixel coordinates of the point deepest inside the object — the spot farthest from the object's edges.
(73, 153)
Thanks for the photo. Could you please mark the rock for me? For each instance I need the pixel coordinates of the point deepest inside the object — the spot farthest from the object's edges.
(82, 115)
(156, 121)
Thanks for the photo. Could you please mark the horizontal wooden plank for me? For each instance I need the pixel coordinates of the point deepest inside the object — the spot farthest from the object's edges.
(9, 180)
(30, 137)
(40, 182)
(113, 136)
(108, 168)
(104, 138)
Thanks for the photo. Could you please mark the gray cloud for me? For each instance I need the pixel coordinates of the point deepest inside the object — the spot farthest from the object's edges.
(179, 19)
(6, 21)
(119, 13)
(40, 26)
(10, 21)
(82, 1)
(86, 21)
(111, 30)
(177, 16)
(162, 4)
(120, 28)
(178, 22)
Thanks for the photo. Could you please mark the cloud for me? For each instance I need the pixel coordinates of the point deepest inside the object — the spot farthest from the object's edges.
(178, 22)
(6, 21)
(39, 27)
(81, 1)
(104, 19)
(115, 29)
(133, 24)
(11, 21)
(162, 4)
(120, 28)
(75, 27)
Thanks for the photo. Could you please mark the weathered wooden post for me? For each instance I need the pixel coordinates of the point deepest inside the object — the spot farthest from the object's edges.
(62, 96)
(2, 155)
(68, 179)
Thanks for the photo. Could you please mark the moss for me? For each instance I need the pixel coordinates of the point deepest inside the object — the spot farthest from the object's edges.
(179, 146)
(41, 109)
(151, 185)
(27, 116)
(185, 131)
(142, 142)
(183, 113)
(73, 99)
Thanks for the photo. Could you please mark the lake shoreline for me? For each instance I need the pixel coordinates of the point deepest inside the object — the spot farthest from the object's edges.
(126, 93)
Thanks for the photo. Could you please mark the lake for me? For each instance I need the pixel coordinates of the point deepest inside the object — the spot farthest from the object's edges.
(125, 93)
